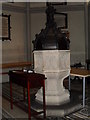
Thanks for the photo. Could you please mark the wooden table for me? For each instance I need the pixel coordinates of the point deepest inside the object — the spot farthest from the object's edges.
(80, 73)
(28, 80)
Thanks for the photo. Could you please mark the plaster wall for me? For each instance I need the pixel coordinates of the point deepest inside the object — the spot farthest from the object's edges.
(37, 4)
(89, 32)
(18, 3)
(38, 21)
(76, 28)
(14, 50)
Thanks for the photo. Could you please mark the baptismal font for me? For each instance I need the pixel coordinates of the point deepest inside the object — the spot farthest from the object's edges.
(52, 58)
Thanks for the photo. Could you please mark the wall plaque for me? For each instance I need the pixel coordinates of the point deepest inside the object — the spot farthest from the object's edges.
(5, 27)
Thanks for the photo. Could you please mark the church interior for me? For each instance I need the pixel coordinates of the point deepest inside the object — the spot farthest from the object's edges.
(45, 60)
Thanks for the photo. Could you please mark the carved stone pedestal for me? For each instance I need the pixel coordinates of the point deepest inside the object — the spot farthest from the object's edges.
(55, 64)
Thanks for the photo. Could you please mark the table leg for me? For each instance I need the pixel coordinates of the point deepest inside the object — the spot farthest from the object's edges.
(29, 106)
(69, 83)
(44, 103)
(83, 91)
(24, 94)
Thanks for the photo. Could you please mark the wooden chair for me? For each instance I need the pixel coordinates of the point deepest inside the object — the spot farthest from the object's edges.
(88, 64)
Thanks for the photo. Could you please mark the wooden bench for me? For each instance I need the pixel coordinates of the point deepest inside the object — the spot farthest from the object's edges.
(14, 65)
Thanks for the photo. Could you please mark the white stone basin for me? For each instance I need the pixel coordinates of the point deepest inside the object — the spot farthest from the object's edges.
(55, 64)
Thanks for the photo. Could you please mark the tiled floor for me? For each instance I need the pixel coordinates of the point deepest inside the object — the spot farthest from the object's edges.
(16, 112)
(76, 94)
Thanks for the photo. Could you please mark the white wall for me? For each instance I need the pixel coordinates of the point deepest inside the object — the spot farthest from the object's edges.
(37, 23)
(37, 4)
(89, 32)
(77, 36)
(15, 50)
